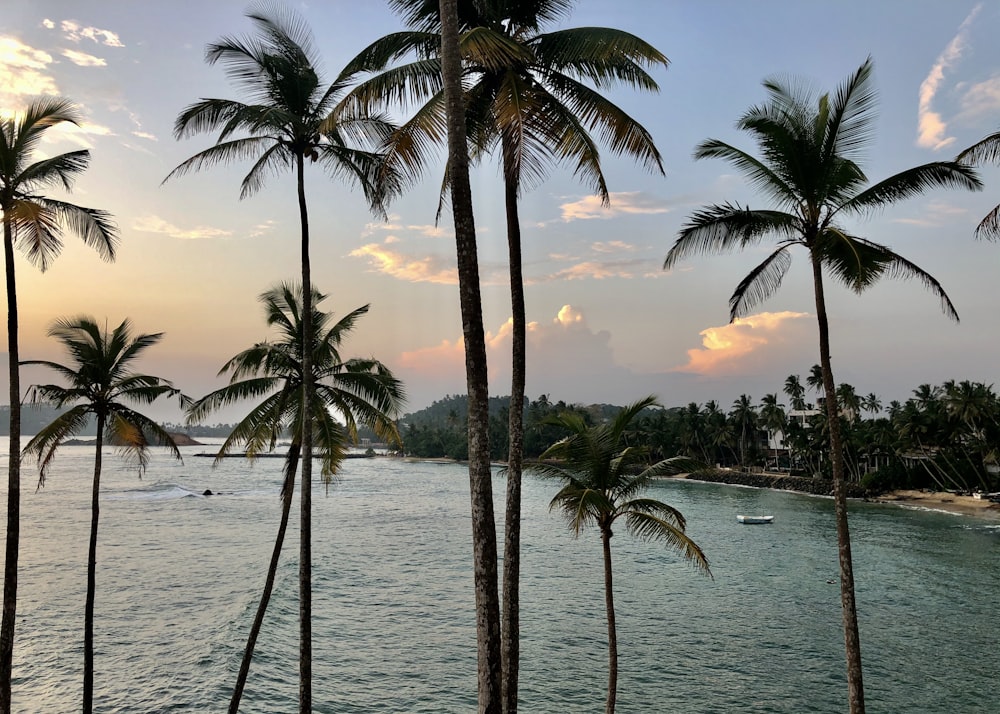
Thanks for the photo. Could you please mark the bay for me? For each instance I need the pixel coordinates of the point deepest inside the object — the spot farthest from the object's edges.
(394, 631)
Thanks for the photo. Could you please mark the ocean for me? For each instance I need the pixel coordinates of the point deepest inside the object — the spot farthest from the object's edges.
(179, 576)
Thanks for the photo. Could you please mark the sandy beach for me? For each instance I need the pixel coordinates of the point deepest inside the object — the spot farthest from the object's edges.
(943, 501)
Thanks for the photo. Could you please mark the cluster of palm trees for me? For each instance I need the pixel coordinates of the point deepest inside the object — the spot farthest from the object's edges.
(483, 77)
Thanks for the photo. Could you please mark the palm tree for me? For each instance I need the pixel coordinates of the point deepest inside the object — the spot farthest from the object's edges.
(484, 539)
(34, 224)
(796, 392)
(744, 420)
(101, 383)
(603, 483)
(871, 404)
(774, 420)
(528, 94)
(277, 68)
(809, 150)
(985, 151)
(356, 390)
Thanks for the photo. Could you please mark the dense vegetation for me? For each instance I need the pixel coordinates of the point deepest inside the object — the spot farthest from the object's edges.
(943, 437)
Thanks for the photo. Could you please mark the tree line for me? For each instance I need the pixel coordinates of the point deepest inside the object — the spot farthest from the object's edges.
(944, 437)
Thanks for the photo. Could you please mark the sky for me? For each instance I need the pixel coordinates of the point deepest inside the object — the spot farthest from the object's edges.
(607, 324)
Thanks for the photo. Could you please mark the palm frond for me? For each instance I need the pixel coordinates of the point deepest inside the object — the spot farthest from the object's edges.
(45, 443)
(760, 283)
(647, 526)
(603, 55)
(914, 182)
(723, 228)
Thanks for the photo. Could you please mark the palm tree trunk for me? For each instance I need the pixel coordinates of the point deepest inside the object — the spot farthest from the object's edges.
(484, 544)
(852, 639)
(305, 513)
(287, 489)
(13, 479)
(609, 604)
(510, 639)
(88, 614)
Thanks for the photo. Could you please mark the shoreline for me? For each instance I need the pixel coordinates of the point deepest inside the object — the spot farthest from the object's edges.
(942, 501)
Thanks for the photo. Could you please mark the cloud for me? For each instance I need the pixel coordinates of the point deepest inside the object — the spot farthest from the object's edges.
(624, 203)
(22, 74)
(595, 270)
(561, 352)
(47, 23)
(982, 99)
(424, 269)
(931, 128)
(726, 349)
(935, 214)
(155, 224)
(82, 59)
(73, 32)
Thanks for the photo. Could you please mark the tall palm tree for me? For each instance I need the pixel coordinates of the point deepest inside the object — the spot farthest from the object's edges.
(985, 151)
(603, 479)
(744, 420)
(871, 404)
(529, 94)
(100, 382)
(34, 223)
(282, 127)
(355, 390)
(484, 538)
(808, 166)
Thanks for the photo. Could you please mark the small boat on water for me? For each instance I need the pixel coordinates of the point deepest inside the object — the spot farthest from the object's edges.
(755, 519)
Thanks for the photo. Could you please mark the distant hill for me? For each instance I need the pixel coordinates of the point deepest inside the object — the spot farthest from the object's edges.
(36, 416)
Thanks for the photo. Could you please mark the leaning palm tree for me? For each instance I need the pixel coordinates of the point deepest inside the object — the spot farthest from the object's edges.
(808, 167)
(34, 223)
(531, 96)
(100, 383)
(348, 392)
(604, 478)
(282, 127)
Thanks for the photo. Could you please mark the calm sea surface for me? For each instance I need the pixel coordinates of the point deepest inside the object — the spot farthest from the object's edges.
(179, 575)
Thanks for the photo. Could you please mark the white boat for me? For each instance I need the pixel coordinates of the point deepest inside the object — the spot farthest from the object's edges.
(755, 519)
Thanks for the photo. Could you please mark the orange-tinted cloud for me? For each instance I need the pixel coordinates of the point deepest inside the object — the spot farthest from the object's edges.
(155, 224)
(726, 349)
(626, 202)
(425, 269)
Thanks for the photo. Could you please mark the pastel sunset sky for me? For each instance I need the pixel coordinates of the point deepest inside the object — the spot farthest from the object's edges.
(607, 324)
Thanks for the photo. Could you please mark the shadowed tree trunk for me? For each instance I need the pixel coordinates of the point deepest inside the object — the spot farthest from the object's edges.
(483, 524)
(510, 640)
(852, 639)
(88, 627)
(13, 480)
(287, 490)
(609, 604)
(305, 514)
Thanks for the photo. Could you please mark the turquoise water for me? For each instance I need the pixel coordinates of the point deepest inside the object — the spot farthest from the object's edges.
(179, 575)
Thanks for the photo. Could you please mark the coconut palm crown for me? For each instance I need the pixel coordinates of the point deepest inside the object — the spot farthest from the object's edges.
(603, 479)
(34, 223)
(808, 167)
(101, 383)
